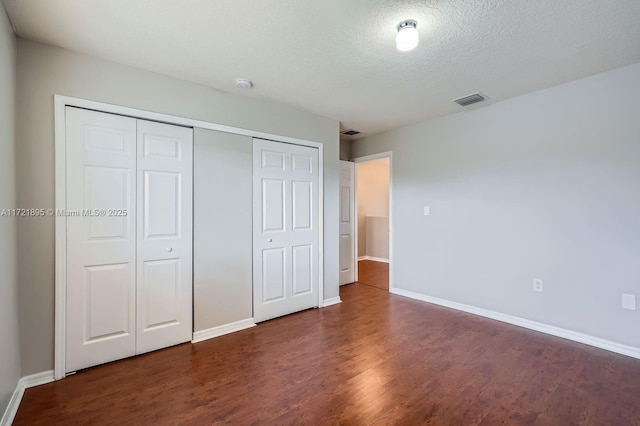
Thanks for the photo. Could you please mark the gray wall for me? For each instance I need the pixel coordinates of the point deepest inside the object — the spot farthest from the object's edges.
(545, 185)
(377, 237)
(43, 71)
(222, 228)
(9, 342)
(345, 150)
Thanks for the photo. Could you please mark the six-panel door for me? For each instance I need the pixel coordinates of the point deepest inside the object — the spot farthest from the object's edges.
(129, 234)
(285, 235)
(128, 213)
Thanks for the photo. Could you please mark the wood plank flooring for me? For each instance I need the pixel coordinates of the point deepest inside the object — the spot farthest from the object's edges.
(374, 273)
(375, 359)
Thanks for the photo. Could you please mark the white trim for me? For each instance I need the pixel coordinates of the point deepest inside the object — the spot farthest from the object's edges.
(321, 225)
(37, 379)
(24, 383)
(389, 155)
(330, 302)
(531, 325)
(12, 407)
(221, 330)
(60, 102)
(60, 239)
(375, 259)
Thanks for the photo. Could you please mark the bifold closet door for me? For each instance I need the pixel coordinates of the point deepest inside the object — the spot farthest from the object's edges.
(101, 249)
(129, 232)
(286, 229)
(165, 222)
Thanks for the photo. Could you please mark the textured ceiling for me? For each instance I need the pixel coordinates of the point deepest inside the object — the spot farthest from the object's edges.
(337, 58)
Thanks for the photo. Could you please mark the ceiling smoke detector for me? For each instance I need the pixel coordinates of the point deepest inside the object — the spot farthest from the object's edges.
(243, 83)
(350, 132)
(471, 99)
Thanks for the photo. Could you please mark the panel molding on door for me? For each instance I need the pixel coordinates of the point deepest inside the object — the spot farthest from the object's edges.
(347, 223)
(165, 221)
(129, 237)
(286, 228)
(101, 250)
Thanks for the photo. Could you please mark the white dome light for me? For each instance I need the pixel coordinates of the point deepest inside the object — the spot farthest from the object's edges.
(408, 35)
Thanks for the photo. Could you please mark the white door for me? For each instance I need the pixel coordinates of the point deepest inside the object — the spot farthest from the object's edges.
(347, 223)
(164, 237)
(101, 249)
(129, 221)
(286, 229)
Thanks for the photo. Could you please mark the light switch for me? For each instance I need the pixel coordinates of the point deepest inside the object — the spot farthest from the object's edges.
(538, 285)
(629, 301)
(426, 210)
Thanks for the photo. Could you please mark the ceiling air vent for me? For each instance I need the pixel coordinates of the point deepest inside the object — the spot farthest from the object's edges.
(471, 99)
(350, 132)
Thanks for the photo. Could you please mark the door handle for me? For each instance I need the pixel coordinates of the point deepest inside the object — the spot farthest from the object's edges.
(269, 240)
(169, 249)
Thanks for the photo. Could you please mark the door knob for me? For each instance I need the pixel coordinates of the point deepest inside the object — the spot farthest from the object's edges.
(169, 249)
(269, 240)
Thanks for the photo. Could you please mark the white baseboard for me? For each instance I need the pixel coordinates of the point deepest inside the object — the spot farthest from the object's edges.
(221, 330)
(37, 379)
(375, 259)
(12, 408)
(531, 325)
(24, 383)
(330, 302)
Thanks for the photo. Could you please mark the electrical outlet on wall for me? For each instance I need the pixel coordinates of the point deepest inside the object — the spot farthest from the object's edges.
(426, 210)
(537, 285)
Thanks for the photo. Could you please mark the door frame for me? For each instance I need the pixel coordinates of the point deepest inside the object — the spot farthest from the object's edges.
(389, 155)
(60, 224)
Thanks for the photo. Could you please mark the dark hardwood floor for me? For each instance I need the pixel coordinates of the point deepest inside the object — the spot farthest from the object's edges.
(376, 359)
(374, 273)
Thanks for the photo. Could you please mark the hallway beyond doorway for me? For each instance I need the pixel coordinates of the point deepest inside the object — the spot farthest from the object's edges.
(375, 274)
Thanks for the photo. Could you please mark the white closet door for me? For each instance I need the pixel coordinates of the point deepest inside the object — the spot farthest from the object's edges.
(101, 239)
(286, 229)
(165, 220)
(347, 223)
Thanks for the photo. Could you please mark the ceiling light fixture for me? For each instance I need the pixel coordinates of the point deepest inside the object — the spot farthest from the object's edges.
(408, 35)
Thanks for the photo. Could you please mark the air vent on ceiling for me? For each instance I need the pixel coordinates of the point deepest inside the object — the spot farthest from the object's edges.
(471, 99)
(350, 132)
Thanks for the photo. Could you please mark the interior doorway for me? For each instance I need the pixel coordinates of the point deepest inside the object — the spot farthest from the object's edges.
(373, 224)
